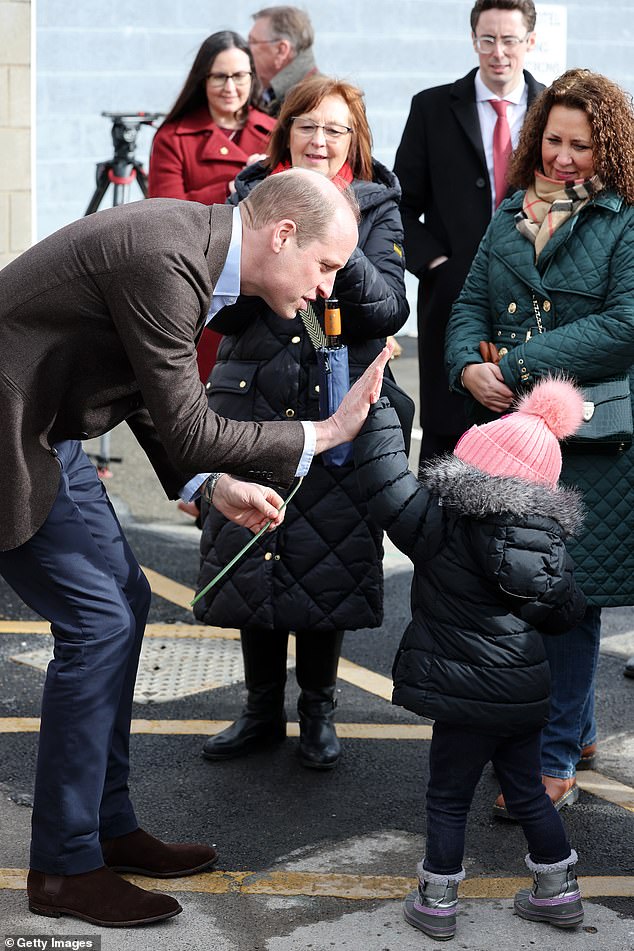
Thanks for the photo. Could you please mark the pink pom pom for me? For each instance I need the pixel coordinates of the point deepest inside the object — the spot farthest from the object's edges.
(558, 402)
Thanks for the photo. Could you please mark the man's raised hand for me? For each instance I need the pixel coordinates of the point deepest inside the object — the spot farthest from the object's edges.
(347, 420)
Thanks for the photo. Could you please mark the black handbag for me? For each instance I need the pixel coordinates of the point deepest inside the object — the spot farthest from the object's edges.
(607, 417)
(607, 411)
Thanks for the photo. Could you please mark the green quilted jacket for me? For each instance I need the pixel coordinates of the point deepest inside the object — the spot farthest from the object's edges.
(584, 287)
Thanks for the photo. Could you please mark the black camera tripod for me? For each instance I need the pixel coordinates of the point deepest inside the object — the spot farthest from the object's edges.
(120, 171)
(123, 169)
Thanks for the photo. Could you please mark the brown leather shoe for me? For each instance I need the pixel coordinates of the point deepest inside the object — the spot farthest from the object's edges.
(141, 853)
(100, 897)
(563, 792)
(587, 757)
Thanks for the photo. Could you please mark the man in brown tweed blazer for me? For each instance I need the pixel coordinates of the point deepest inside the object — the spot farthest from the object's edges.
(98, 324)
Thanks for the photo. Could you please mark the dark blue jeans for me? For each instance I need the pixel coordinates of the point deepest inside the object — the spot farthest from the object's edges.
(79, 573)
(456, 760)
(573, 659)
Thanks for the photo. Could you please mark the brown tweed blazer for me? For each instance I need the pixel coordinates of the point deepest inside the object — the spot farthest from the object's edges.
(98, 324)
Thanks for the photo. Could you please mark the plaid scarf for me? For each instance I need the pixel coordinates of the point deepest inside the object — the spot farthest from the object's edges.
(548, 203)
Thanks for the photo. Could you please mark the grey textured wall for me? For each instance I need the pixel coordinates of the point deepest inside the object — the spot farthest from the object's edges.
(94, 56)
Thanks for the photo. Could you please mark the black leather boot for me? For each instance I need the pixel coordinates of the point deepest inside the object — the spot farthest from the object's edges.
(319, 746)
(262, 723)
(317, 659)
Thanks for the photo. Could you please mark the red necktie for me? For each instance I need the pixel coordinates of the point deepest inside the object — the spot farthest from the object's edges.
(502, 148)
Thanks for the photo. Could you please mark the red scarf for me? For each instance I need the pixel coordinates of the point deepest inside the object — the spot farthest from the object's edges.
(342, 179)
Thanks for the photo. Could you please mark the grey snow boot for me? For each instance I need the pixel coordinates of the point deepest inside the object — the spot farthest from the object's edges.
(555, 897)
(432, 909)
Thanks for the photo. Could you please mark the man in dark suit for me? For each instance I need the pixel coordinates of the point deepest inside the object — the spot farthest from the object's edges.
(445, 166)
(98, 324)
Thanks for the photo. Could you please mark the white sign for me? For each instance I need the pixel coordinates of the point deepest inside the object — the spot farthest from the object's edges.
(548, 59)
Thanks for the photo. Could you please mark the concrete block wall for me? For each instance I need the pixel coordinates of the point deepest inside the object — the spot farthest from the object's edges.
(15, 128)
(95, 57)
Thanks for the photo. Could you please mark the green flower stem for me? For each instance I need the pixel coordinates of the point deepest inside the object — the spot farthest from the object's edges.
(243, 550)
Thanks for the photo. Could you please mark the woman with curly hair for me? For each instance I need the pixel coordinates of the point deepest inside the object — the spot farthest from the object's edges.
(551, 290)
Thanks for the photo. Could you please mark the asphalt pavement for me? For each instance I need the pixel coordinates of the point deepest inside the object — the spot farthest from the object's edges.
(308, 860)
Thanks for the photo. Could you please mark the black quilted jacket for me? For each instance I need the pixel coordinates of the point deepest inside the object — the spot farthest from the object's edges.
(322, 569)
(490, 572)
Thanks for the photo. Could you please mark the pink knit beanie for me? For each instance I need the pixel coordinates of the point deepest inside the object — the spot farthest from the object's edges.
(525, 444)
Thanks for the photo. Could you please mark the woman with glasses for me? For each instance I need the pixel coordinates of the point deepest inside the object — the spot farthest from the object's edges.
(321, 573)
(211, 132)
(213, 128)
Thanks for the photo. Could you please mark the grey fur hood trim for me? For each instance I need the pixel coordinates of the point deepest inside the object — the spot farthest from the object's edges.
(478, 495)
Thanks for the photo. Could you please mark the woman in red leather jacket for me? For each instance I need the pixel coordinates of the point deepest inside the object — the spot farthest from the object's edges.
(211, 132)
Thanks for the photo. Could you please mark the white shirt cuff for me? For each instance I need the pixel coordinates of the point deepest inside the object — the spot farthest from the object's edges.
(310, 442)
(191, 490)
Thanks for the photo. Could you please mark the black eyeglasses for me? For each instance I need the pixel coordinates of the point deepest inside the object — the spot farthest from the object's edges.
(221, 79)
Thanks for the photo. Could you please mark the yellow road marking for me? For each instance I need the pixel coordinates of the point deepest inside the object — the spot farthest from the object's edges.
(25, 627)
(365, 679)
(351, 731)
(170, 590)
(349, 887)
(606, 788)
(176, 631)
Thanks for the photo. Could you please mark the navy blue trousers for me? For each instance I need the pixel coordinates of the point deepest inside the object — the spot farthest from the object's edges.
(79, 573)
(456, 761)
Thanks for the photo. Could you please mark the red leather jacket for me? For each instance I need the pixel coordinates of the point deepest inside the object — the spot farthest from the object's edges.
(194, 160)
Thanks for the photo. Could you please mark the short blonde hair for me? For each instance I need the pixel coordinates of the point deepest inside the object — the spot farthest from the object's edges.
(293, 195)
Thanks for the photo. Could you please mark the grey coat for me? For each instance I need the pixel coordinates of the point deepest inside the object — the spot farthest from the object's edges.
(98, 324)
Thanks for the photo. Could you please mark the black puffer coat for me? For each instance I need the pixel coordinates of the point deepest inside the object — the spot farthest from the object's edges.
(322, 569)
(490, 571)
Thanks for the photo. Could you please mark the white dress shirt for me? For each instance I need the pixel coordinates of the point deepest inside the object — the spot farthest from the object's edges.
(515, 113)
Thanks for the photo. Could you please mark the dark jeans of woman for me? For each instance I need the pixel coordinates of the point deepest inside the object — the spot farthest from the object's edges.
(456, 761)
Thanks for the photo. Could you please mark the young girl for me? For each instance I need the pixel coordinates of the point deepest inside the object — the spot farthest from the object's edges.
(485, 529)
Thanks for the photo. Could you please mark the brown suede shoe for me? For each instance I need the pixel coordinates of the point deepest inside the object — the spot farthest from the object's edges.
(141, 853)
(563, 792)
(100, 897)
